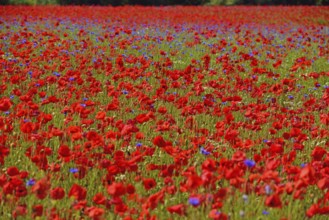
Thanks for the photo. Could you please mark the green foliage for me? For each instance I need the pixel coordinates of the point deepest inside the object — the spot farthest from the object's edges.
(224, 2)
(29, 2)
(4, 2)
(47, 2)
(132, 2)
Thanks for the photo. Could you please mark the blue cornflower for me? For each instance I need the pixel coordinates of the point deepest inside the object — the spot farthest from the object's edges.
(30, 182)
(264, 212)
(194, 201)
(290, 97)
(204, 151)
(85, 99)
(139, 144)
(74, 170)
(268, 189)
(249, 163)
(57, 74)
(71, 78)
(83, 105)
(125, 92)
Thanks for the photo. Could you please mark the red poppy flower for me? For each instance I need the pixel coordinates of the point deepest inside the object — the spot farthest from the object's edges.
(5, 104)
(179, 209)
(99, 199)
(4, 151)
(116, 189)
(94, 212)
(20, 210)
(37, 210)
(41, 188)
(159, 141)
(323, 183)
(273, 201)
(20, 191)
(78, 192)
(139, 136)
(217, 215)
(57, 193)
(27, 127)
(100, 115)
(318, 153)
(193, 182)
(12, 171)
(149, 183)
(64, 151)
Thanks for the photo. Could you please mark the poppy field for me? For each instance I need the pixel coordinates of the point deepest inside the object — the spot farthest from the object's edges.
(164, 112)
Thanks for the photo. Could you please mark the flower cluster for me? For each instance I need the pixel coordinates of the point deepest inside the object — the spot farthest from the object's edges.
(158, 113)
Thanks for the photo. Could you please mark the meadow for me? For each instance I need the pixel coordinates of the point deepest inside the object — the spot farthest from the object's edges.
(164, 112)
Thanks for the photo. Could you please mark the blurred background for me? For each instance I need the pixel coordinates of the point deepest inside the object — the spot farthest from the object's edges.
(164, 2)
